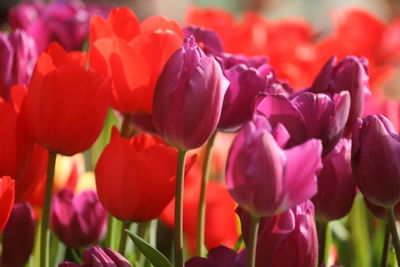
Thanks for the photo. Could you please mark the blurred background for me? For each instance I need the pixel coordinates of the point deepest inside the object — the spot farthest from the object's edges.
(315, 11)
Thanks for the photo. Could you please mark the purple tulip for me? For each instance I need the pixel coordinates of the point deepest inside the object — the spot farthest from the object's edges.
(238, 108)
(207, 39)
(376, 160)
(350, 75)
(188, 97)
(18, 236)
(63, 21)
(265, 179)
(381, 212)
(288, 239)
(219, 257)
(17, 58)
(308, 115)
(97, 257)
(79, 220)
(336, 185)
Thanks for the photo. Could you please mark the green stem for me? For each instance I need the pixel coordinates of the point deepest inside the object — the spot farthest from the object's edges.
(323, 244)
(143, 233)
(201, 249)
(124, 237)
(107, 240)
(393, 231)
(386, 247)
(178, 229)
(44, 231)
(251, 252)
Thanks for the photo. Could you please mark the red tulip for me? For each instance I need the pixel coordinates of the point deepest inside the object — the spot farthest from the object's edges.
(21, 159)
(66, 104)
(135, 178)
(7, 193)
(132, 54)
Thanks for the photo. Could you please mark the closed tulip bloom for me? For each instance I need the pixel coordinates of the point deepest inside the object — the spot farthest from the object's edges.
(336, 185)
(66, 104)
(188, 97)
(288, 239)
(219, 257)
(308, 115)
(265, 179)
(18, 236)
(375, 160)
(350, 74)
(18, 55)
(135, 178)
(7, 195)
(80, 220)
(97, 257)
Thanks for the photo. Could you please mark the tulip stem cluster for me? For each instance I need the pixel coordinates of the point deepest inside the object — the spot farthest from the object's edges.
(393, 231)
(251, 255)
(178, 226)
(201, 249)
(44, 231)
(386, 246)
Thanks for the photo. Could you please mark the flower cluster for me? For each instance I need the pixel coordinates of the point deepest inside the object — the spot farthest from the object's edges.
(200, 127)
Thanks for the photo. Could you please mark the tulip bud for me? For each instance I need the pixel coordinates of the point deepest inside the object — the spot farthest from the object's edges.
(336, 185)
(97, 257)
(287, 239)
(80, 220)
(188, 97)
(18, 54)
(66, 104)
(265, 179)
(375, 160)
(350, 75)
(18, 236)
(219, 257)
(309, 115)
(129, 185)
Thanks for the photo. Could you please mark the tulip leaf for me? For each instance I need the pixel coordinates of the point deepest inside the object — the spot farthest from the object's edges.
(153, 255)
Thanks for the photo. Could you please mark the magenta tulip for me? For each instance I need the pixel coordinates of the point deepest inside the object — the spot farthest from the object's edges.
(350, 75)
(219, 257)
(376, 160)
(288, 239)
(97, 257)
(336, 185)
(17, 58)
(308, 115)
(188, 97)
(265, 179)
(79, 220)
(18, 236)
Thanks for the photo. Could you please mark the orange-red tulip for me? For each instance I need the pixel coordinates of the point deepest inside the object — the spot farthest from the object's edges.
(66, 104)
(135, 178)
(132, 54)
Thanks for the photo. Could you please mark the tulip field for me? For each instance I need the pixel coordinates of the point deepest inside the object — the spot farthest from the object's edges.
(220, 140)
